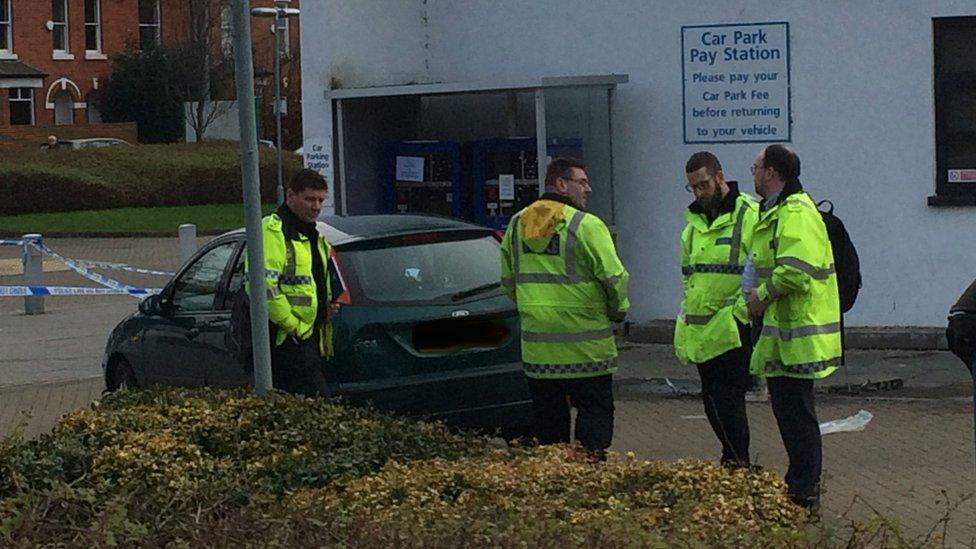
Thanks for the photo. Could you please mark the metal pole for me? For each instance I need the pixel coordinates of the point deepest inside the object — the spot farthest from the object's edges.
(278, 23)
(188, 241)
(33, 261)
(244, 72)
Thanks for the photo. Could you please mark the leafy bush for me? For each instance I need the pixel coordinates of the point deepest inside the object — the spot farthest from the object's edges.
(38, 181)
(224, 468)
(146, 85)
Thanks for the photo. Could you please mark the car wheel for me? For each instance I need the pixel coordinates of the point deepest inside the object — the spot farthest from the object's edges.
(122, 377)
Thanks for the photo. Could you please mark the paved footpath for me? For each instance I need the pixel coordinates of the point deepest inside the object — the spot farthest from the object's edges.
(913, 460)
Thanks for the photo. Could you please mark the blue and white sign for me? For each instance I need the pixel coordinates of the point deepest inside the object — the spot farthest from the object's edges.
(736, 83)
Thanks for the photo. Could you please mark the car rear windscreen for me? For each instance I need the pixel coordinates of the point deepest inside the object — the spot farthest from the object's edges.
(424, 268)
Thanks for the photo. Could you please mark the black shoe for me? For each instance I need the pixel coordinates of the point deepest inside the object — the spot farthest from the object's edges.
(811, 504)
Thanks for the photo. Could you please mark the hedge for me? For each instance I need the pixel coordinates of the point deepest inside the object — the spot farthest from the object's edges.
(195, 468)
(37, 181)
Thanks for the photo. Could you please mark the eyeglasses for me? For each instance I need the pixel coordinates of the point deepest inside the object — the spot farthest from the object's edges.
(699, 186)
(755, 168)
(579, 181)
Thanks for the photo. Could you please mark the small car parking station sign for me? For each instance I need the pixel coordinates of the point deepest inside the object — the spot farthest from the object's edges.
(736, 82)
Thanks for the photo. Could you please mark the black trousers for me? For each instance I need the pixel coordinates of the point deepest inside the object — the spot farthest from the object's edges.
(793, 406)
(725, 380)
(297, 367)
(593, 399)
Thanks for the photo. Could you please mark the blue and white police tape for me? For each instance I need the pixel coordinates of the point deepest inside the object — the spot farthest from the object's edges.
(27, 291)
(11, 242)
(119, 267)
(93, 276)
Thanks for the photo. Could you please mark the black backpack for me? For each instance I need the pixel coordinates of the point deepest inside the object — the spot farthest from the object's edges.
(846, 262)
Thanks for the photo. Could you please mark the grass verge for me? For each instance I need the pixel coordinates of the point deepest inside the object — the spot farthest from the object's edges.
(163, 219)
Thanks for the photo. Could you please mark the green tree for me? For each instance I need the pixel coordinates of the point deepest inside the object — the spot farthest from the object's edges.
(146, 86)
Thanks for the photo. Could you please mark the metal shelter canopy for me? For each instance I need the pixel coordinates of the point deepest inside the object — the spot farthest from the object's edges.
(444, 88)
(536, 85)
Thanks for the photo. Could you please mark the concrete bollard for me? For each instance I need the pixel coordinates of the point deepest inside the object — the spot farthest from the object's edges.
(188, 241)
(33, 261)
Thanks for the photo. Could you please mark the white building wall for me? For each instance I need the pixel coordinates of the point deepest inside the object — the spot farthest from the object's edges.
(862, 108)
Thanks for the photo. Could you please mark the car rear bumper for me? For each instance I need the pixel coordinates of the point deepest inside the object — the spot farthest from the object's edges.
(488, 398)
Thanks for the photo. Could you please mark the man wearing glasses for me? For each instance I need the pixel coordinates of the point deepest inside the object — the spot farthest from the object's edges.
(560, 267)
(799, 307)
(711, 330)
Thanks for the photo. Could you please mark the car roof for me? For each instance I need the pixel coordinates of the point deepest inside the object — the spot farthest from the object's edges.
(339, 230)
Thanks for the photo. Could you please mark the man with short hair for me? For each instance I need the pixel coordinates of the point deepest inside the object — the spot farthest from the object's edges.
(798, 305)
(299, 291)
(711, 330)
(560, 267)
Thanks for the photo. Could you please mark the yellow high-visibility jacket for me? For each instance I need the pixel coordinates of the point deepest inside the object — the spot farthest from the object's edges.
(561, 268)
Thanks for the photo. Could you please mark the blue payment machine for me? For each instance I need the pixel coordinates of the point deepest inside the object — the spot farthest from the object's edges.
(423, 177)
(505, 175)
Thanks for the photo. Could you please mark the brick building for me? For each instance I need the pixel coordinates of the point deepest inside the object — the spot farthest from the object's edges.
(55, 53)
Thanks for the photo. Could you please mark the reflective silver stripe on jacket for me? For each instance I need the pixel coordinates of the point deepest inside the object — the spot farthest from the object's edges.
(737, 236)
(508, 282)
(764, 272)
(574, 224)
(800, 265)
(803, 368)
(289, 258)
(581, 368)
(546, 278)
(300, 300)
(699, 320)
(566, 337)
(801, 331)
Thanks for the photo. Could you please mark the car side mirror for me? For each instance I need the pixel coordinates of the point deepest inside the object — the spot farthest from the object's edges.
(153, 306)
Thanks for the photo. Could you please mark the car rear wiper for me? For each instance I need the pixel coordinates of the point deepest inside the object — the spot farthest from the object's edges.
(475, 291)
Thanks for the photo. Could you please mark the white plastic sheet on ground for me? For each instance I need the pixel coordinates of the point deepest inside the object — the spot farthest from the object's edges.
(851, 424)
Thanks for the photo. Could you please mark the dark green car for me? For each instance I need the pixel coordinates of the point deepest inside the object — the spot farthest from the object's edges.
(427, 331)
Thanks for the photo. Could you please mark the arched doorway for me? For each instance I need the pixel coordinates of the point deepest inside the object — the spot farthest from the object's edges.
(64, 108)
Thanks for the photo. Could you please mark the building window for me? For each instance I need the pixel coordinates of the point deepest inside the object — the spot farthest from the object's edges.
(21, 106)
(93, 26)
(59, 18)
(6, 28)
(955, 109)
(148, 23)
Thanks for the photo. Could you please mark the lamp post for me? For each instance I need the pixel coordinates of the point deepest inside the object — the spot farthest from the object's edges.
(281, 12)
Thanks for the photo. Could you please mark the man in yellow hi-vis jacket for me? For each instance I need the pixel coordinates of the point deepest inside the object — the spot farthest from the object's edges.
(296, 263)
(797, 309)
(711, 331)
(560, 267)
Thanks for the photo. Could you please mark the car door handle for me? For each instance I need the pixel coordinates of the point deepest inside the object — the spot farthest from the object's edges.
(192, 333)
(218, 322)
